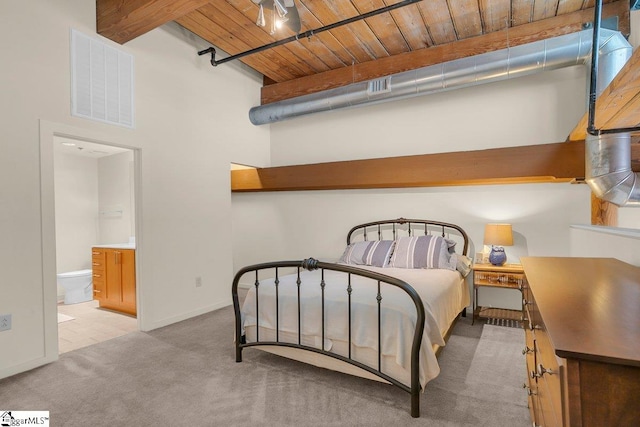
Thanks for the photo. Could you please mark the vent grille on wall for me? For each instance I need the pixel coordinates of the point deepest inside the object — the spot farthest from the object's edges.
(101, 81)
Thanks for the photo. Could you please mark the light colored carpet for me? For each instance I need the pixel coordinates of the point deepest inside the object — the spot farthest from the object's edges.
(185, 374)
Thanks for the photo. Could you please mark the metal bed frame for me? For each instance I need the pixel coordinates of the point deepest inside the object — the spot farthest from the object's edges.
(425, 226)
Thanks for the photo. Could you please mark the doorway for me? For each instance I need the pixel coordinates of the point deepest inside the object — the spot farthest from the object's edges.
(95, 209)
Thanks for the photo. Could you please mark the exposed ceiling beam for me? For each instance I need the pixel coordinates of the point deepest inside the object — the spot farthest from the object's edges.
(560, 162)
(123, 21)
(514, 36)
(618, 106)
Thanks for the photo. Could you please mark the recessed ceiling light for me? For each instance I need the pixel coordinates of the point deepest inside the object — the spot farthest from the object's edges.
(69, 144)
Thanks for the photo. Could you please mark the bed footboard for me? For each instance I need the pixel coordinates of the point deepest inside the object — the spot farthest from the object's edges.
(376, 280)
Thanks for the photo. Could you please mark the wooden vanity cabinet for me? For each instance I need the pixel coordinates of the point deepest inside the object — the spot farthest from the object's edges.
(98, 264)
(114, 279)
(582, 317)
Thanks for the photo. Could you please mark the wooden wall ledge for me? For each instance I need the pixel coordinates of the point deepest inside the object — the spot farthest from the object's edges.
(559, 162)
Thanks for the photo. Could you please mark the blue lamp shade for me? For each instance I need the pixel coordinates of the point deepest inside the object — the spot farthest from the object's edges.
(498, 235)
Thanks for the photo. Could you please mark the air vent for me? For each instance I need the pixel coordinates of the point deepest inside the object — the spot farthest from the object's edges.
(101, 81)
(379, 86)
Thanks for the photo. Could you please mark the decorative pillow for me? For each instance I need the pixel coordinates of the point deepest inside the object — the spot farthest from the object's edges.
(375, 253)
(463, 264)
(451, 245)
(421, 252)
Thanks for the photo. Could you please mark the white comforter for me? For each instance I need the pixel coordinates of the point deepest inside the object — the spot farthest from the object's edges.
(443, 292)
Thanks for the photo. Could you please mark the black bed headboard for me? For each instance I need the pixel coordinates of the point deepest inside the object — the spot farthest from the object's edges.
(412, 227)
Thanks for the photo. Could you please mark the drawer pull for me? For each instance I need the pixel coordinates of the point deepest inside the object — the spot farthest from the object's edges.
(529, 391)
(95, 291)
(527, 350)
(542, 370)
(533, 374)
(97, 275)
(96, 253)
(96, 263)
(525, 302)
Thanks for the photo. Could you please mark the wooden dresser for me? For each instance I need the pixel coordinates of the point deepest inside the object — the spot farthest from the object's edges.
(582, 323)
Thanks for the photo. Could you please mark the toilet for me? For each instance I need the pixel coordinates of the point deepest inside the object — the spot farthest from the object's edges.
(78, 286)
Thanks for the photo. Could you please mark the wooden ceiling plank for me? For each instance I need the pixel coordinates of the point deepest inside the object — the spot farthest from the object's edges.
(309, 22)
(515, 36)
(123, 21)
(614, 98)
(560, 162)
(521, 12)
(412, 26)
(544, 9)
(345, 9)
(568, 6)
(438, 20)
(201, 25)
(345, 34)
(236, 23)
(495, 14)
(466, 18)
(383, 26)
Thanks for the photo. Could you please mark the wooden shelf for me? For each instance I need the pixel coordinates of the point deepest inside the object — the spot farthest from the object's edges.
(498, 313)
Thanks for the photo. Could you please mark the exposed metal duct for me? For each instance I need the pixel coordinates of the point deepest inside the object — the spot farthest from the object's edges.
(608, 157)
(608, 169)
(548, 54)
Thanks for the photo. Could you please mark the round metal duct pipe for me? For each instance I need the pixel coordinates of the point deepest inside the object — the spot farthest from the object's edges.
(608, 156)
(608, 169)
(548, 54)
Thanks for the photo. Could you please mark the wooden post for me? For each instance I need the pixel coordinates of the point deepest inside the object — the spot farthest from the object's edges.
(603, 212)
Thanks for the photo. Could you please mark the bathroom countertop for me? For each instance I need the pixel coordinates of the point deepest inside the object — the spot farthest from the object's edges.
(117, 246)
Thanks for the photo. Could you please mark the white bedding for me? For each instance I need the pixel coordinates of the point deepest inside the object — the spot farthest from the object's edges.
(444, 294)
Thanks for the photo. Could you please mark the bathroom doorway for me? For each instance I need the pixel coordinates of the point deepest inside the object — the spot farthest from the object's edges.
(95, 211)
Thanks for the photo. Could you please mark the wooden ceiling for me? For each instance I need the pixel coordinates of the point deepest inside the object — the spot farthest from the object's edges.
(413, 36)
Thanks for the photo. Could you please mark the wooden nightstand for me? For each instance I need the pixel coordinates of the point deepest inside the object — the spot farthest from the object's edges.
(509, 276)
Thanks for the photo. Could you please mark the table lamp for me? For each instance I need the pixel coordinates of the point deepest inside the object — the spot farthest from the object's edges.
(498, 235)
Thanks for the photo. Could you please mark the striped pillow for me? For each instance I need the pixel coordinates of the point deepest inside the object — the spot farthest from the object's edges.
(421, 252)
(374, 253)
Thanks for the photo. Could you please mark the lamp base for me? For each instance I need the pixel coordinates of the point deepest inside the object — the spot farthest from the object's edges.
(497, 256)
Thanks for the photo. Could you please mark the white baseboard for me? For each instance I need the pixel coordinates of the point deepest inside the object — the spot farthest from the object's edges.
(175, 319)
(26, 366)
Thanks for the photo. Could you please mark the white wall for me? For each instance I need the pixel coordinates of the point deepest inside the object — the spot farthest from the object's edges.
(530, 110)
(191, 122)
(116, 210)
(536, 109)
(607, 242)
(76, 198)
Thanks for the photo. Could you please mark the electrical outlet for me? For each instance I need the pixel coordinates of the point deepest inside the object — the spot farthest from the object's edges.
(198, 281)
(5, 322)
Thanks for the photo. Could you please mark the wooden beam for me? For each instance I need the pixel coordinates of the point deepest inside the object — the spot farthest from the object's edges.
(619, 103)
(603, 212)
(560, 162)
(514, 36)
(123, 21)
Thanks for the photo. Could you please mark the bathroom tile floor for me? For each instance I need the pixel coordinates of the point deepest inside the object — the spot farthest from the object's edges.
(91, 325)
